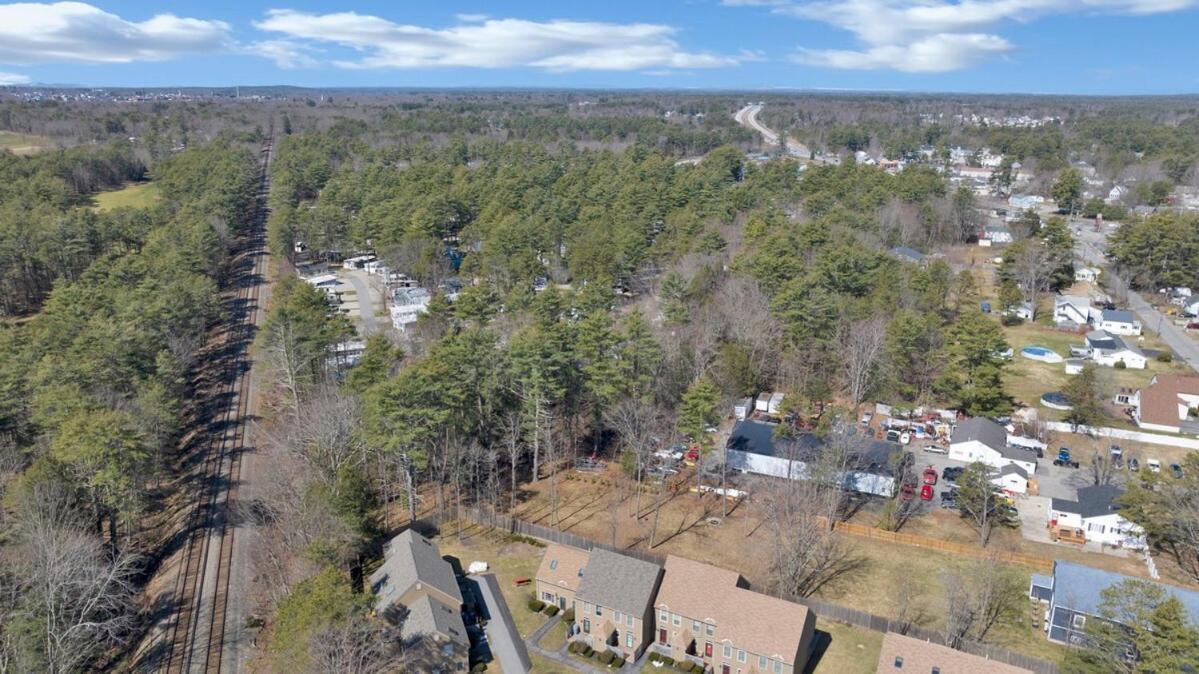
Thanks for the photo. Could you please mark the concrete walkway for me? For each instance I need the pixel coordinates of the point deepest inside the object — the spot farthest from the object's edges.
(561, 657)
(505, 642)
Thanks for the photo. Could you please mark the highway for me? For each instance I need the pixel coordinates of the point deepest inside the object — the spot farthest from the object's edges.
(748, 117)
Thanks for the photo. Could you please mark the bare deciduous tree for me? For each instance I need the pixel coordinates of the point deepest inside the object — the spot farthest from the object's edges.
(977, 597)
(358, 645)
(862, 347)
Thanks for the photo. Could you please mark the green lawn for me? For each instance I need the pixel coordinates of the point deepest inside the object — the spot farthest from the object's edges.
(508, 561)
(542, 665)
(555, 638)
(848, 649)
(23, 143)
(133, 195)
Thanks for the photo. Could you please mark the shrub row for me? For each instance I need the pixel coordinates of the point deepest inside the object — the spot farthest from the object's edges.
(606, 658)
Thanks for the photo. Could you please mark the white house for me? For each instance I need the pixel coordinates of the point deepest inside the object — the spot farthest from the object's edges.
(1191, 307)
(1096, 514)
(1119, 322)
(1012, 479)
(407, 305)
(753, 448)
(979, 439)
(1116, 194)
(1072, 309)
(1086, 274)
(1107, 349)
(322, 281)
(995, 234)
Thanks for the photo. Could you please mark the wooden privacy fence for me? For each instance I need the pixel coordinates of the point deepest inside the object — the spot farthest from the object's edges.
(845, 614)
(1040, 564)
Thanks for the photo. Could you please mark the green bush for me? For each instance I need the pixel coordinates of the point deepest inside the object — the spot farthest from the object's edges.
(535, 605)
(569, 615)
(1120, 365)
(1164, 357)
(606, 657)
(575, 647)
(551, 610)
(588, 651)
(479, 667)
(618, 662)
(1010, 320)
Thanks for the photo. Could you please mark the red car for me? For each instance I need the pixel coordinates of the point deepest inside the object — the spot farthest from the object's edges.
(906, 492)
(926, 492)
(692, 455)
(930, 475)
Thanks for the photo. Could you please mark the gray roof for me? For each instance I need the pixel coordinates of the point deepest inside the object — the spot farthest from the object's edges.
(1093, 501)
(429, 617)
(1117, 316)
(1079, 588)
(1013, 468)
(410, 559)
(907, 253)
(1099, 339)
(982, 429)
(756, 437)
(619, 582)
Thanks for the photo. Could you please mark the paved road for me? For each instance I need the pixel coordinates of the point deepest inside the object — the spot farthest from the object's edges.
(748, 117)
(366, 300)
(1090, 248)
(502, 637)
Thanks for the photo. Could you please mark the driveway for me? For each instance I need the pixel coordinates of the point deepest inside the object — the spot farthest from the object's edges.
(367, 299)
(505, 642)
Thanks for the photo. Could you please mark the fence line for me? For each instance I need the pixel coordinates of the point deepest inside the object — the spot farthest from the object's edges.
(821, 608)
(1042, 564)
(1125, 434)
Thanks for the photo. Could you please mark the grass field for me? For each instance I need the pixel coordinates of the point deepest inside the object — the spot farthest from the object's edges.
(133, 195)
(21, 143)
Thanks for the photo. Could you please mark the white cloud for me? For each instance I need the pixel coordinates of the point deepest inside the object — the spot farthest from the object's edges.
(482, 42)
(287, 54)
(9, 79)
(933, 54)
(935, 35)
(77, 32)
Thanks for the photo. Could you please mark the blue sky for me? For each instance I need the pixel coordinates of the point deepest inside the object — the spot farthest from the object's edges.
(1036, 46)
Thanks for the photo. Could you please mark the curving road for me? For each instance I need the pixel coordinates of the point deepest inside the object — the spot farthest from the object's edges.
(748, 117)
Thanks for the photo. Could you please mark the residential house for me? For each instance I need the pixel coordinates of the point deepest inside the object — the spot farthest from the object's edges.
(407, 304)
(1024, 202)
(1012, 479)
(1107, 349)
(322, 281)
(559, 575)
(1169, 403)
(1191, 307)
(415, 579)
(753, 448)
(995, 234)
(709, 616)
(1086, 274)
(1097, 516)
(1074, 595)
(1119, 322)
(614, 603)
(1116, 194)
(905, 254)
(1073, 310)
(980, 439)
(907, 655)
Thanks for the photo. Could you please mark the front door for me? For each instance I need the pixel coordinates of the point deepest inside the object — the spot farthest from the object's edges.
(707, 649)
(724, 669)
(661, 636)
(562, 603)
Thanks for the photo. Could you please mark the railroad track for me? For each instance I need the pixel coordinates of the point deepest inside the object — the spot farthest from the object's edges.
(196, 637)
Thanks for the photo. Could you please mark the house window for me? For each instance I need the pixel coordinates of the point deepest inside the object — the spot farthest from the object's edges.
(616, 617)
(741, 656)
(628, 639)
(695, 626)
(663, 617)
(778, 667)
(547, 596)
(628, 619)
(675, 619)
(762, 662)
(898, 662)
(936, 670)
(599, 610)
(553, 564)
(1078, 622)
(586, 625)
(728, 651)
(709, 629)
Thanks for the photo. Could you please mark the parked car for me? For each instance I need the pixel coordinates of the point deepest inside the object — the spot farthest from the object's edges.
(949, 499)
(952, 473)
(1133, 464)
(866, 417)
(906, 492)
(1117, 455)
(1063, 458)
(1176, 470)
(936, 449)
(892, 436)
(1154, 465)
(905, 437)
(926, 492)
(930, 475)
(1193, 325)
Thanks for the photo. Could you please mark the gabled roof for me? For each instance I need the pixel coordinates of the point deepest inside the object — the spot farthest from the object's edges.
(619, 582)
(904, 655)
(1077, 301)
(753, 622)
(983, 430)
(1105, 341)
(1079, 588)
(563, 566)
(1117, 316)
(1160, 400)
(1013, 468)
(429, 617)
(411, 559)
(1093, 501)
(756, 437)
(906, 253)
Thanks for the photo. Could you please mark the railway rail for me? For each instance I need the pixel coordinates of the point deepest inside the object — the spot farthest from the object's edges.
(196, 636)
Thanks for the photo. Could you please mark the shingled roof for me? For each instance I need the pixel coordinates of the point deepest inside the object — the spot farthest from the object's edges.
(411, 559)
(904, 654)
(563, 566)
(1160, 400)
(619, 582)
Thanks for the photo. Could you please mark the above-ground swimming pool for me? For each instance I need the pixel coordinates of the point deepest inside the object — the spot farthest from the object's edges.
(1041, 353)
